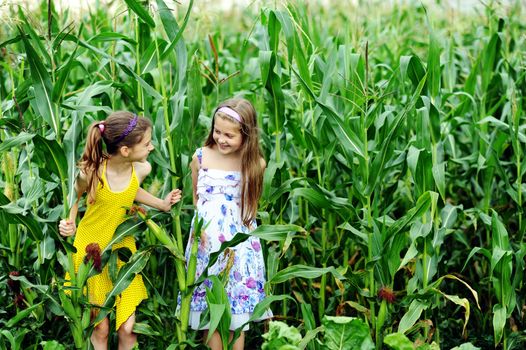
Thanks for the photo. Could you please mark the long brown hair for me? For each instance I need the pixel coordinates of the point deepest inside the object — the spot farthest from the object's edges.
(110, 131)
(251, 169)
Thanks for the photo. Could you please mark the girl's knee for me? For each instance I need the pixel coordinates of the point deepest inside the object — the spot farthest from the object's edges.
(102, 330)
(126, 331)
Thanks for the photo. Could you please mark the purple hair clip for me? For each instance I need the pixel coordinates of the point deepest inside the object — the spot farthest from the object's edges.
(101, 127)
(131, 125)
(231, 113)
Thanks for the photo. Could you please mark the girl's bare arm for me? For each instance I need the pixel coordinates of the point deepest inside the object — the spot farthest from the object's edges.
(144, 197)
(194, 166)
(68, 227)
(150, 200)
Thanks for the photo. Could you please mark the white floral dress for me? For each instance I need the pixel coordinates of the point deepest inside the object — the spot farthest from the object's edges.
(219, 196)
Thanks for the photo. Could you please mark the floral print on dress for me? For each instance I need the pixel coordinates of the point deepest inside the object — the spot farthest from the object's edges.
(219, 195)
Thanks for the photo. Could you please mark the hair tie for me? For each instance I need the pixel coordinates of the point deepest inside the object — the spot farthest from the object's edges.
(231, 113)
(101, 127)
(128, 130)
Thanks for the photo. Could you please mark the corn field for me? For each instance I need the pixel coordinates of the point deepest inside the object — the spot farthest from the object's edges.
(391, 214)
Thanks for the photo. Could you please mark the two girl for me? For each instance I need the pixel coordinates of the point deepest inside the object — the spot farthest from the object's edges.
(227, 178)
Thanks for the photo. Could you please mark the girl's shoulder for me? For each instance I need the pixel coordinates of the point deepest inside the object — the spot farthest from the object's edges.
(263, 163)
(208, 152)
(142, 169)
(82, 176)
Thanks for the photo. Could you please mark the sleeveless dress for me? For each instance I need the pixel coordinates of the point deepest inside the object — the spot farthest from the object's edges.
(98, 226)
(218, 203)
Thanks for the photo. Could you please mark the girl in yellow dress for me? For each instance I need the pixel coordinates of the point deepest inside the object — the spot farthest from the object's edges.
(112, 181)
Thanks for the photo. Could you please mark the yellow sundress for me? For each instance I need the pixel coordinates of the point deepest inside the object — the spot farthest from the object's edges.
(98, 226)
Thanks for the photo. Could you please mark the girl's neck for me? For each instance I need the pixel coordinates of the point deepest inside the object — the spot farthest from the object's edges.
(118, 164)
(216, 160)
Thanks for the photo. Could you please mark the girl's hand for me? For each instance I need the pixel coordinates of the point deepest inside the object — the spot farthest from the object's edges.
(173, 197)
(67, 228)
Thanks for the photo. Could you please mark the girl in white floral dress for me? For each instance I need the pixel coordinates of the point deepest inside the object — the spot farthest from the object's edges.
(227, 176)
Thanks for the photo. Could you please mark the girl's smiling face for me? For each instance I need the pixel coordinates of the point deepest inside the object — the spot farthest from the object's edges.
(227, 136)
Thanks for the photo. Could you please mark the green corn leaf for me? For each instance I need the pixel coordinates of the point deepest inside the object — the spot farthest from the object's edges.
(63, 74)
(276, 233)
(270, 171)
(36, 39)
(126, 275)
(411, 67)
(220, 314)
(145, 329)
(22, 315)
(262, 309)
(439, 174)
(173, 31)
(28, 220)
(302, 64)
(377, 168)
(43, 289)
(302, 271)
(412, 315)
(112, 36)
(265, 59)
(123, 66)
(359, 234)
(15, 141)
(273, 29)
(17, 339)
(320, 198)
(499, 322)
(42, 86)
(463, 302)
(149, 59)
(52, 155)
(490, 58)
(433, 65)
(288, 30)
(216, 313)
(310, 335)
(500, 237)
(350, 141)
(285, 187)
(195, 92)
(141, 12)
(422, 205)
(47, 247)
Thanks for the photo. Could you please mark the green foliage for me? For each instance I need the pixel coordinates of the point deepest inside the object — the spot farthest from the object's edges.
(394, 143)
(335, 333)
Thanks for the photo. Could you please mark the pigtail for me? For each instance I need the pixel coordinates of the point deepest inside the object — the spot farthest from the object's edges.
(92, 158)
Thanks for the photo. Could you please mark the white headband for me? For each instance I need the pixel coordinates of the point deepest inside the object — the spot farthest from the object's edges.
(231, 113)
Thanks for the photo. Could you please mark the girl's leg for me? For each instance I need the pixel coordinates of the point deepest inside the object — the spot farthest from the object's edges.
(127, 338)
(240, 342)
(215, 341)
(99, 337)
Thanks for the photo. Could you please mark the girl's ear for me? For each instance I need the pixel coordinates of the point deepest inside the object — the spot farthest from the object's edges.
(125, 151)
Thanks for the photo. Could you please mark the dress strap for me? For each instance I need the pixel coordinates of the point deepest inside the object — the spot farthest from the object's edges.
(199, 154)
(103, 177)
